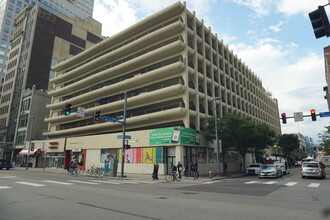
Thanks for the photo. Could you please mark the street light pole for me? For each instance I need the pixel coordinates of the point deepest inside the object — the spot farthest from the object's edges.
(124, 133)
(30, 139)
(216, 133)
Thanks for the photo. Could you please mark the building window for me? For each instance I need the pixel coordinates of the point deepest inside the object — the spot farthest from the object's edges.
(2, 53)
(9, 14)
(10, 6)
(26, 104)
(19, 3)
(4, 45)
(7, 22)
(18, 10)
(6, 29)
(13, 1)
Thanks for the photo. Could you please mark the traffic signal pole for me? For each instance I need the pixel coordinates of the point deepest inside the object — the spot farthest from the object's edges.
(124, 133)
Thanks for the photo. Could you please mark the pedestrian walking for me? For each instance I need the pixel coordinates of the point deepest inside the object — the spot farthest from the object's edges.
(186, 169)
(180, 168)
(155, 172)
(196, 167)
(193, 170)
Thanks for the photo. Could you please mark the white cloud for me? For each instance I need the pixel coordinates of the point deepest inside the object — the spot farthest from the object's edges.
(291, 7)
(115, 16)
(276, 28)
(296, 83)
(260, 7)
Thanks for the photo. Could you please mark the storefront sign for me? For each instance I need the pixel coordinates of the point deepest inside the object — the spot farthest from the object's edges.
(53, 145)
(76, 150)
(174, 135)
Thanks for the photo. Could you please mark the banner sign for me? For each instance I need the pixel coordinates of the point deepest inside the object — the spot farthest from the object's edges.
(173, 135)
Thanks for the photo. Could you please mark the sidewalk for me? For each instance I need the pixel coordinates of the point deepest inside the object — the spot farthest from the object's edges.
(139, 177)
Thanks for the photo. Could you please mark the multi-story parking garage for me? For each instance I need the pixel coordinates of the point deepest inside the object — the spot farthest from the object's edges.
(171, 67)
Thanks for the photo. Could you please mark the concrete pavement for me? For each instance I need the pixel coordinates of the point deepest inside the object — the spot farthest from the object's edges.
(135, 176)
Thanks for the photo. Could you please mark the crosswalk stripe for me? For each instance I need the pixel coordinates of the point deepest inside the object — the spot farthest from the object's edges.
(270, 182)
(30, 184)
(5, 177)
(77, 181)
(123, 181)
(62, 183)
(291, 183)
(314, 185)
(251, 182)
(102, 181)
(5, 187)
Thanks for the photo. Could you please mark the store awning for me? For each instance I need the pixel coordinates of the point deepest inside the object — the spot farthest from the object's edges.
(25, 152)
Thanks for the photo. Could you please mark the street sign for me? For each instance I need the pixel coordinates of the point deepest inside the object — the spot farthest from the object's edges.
(81, 112)
(324, 114)
(126, 137)
(119, 117)
(298, 116)
(108, 119)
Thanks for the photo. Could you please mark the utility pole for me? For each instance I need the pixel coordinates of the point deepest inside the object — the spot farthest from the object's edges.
(30, 138)
(216, 133)
(124, 133)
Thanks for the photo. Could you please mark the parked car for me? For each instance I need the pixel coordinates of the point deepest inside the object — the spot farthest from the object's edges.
(270, 170)
(313, 169)
(5, 164)
(298, 163)
(254, 169)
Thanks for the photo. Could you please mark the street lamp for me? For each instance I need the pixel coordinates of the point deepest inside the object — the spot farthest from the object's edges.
(30, 139)
(216, 133)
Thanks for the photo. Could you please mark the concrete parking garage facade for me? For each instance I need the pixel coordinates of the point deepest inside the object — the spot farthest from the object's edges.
(171, 66)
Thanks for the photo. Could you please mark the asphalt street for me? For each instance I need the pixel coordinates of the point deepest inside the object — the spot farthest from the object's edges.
(37, 195)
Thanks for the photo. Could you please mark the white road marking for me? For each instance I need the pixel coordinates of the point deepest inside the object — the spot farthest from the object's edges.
(5, 187)
(102, 181)
(77, 181)
(5, 177)
(314, 185)
(251, 182)
(62, 183)
(291, 183)
(123, 181)
(270, 182)
(30, 184)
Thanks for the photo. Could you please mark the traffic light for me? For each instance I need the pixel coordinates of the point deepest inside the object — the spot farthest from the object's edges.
(320, 22)
(313, 114)
(67, 110)
(127, 146)
(283, 118)
(97, 116)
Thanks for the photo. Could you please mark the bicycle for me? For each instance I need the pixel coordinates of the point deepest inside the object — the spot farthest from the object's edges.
(171, 177)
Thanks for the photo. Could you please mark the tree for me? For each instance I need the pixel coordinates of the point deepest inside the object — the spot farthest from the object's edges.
(263, 138)
(288, 143)
(325, 137)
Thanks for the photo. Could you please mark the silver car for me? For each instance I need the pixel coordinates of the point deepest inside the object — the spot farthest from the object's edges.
(254, 169)
(313, 169)
(270, 170)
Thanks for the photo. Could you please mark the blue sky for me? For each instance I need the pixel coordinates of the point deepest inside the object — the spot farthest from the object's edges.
(274, 38)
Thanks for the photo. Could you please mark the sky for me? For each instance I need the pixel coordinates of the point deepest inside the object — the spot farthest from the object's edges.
(275, 39)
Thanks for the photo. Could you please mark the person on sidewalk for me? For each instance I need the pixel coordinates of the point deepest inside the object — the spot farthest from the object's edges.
(196, 168)
(155, 172)
(180, 168)
(186, 169)
(193, 170)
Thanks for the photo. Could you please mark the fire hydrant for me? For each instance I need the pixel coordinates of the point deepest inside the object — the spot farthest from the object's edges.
(210, 174)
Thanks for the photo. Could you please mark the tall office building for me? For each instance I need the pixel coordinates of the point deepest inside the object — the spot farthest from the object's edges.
(10, 8)
(171, 67)
(41, 37)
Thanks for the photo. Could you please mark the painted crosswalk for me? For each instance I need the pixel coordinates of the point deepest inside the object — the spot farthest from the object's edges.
(30, 184)
(312, 185)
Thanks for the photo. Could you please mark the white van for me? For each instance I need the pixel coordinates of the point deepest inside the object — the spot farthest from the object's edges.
(283, 164)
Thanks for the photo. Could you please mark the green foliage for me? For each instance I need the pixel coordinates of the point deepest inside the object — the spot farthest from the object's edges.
(241, 134)
(288, 143)
(325, 137)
